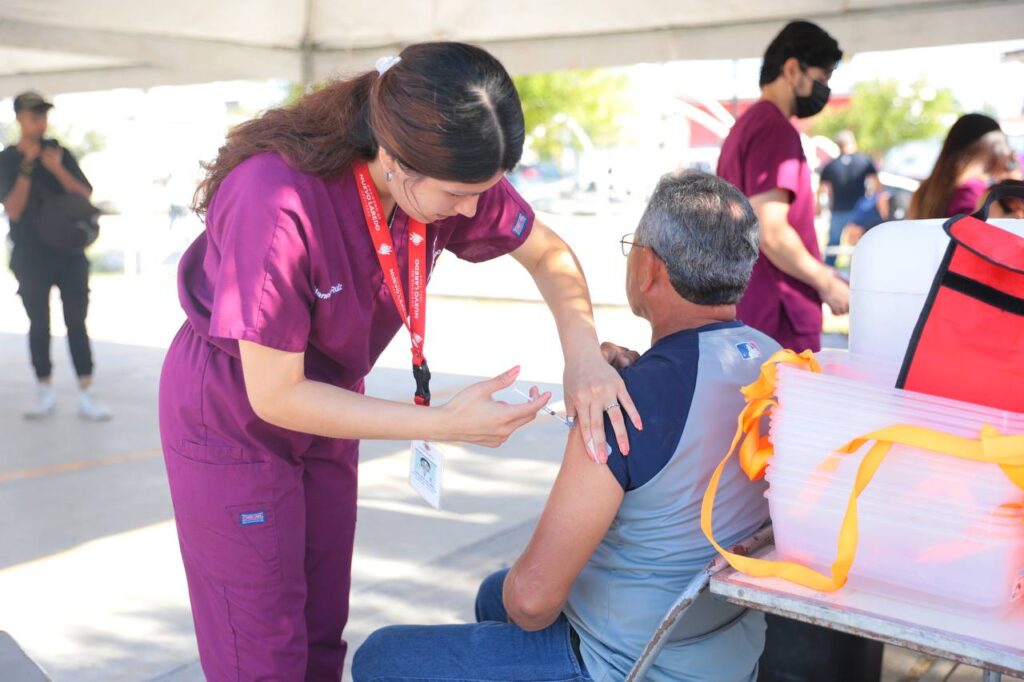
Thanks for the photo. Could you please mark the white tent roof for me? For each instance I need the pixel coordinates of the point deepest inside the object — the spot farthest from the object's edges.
(71, 45)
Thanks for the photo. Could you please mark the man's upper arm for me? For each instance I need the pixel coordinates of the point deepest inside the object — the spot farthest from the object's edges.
(772, 209)
(582, 505)
(774, 161)
(8, 175)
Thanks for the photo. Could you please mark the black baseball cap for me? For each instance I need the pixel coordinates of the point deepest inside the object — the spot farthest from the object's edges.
(32, 101)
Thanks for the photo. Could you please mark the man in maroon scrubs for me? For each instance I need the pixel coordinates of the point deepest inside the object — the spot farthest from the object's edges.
(763, 157)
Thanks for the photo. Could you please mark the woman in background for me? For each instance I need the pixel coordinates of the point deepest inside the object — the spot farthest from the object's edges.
(975, 154)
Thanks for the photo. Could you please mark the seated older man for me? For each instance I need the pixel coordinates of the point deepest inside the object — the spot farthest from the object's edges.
(617, 544)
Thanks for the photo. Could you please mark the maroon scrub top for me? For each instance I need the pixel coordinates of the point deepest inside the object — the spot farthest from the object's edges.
(762, 153)
(286, 261)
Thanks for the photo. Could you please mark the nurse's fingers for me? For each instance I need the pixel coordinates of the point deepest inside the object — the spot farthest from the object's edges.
(515, 416)
(523, 413)
(580, 416)
(619, 428)
(492, 386)
(629, 407)
(596, 441)
(590, 421)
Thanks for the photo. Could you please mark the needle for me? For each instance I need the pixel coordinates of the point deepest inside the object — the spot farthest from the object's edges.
(547, 409)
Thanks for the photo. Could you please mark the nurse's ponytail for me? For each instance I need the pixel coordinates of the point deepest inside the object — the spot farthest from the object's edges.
(444, 110)
(325, 132)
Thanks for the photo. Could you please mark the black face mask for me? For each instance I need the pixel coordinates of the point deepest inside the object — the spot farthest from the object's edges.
(815, 102)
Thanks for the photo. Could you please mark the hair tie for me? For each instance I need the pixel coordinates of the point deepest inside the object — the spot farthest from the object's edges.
(385, 63)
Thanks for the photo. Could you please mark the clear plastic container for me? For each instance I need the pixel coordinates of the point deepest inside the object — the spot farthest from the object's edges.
(932, 528)
(869, 383)
(935, 564)
(841, 406)
(907, 506)
(934, 491)
(797, 445)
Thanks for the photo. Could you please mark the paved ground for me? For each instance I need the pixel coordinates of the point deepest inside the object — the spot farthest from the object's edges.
(91, 584)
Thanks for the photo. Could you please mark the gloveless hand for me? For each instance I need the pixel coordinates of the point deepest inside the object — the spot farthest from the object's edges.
(52, 158)
(618, 356)
(836, 294)
(473, 416)
(592, 389)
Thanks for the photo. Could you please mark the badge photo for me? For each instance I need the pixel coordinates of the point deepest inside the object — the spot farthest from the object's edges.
(426, 467)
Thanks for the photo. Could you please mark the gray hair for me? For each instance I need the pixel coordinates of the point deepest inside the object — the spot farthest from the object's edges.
(706, 232)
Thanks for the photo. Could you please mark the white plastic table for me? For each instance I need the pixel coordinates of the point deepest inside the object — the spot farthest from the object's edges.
(994, 644)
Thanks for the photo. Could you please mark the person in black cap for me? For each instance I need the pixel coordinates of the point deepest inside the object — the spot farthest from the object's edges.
(32, 172)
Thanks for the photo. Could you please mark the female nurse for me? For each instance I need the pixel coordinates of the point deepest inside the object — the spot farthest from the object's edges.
(323, 222)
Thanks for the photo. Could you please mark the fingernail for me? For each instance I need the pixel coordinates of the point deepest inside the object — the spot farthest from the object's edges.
(591, 451)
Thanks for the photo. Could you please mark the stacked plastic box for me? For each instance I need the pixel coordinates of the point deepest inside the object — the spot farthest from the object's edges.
(932, 528)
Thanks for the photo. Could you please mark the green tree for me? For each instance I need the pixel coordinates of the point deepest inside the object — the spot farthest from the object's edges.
(884, 114)
(595, 99)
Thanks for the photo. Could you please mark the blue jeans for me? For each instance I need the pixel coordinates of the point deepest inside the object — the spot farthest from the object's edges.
(491, 649)
(835, 231)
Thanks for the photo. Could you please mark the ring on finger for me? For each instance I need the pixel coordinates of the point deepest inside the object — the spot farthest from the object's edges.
(611, 407)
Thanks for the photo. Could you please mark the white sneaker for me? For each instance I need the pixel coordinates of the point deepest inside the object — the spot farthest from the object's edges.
(92, 408)
(45, 405)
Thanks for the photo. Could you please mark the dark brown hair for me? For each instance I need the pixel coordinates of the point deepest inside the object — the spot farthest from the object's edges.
(972, 137)
(809, 43)
(447, 110)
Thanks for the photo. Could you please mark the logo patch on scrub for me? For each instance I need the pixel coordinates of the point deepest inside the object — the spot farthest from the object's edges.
(520, 225)
(748, 350)
(249, 518)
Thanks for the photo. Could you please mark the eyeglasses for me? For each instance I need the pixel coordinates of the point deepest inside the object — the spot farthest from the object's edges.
(628, 241)
(828, 74)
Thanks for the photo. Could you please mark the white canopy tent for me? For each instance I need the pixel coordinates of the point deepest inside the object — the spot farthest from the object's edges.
(75, 45)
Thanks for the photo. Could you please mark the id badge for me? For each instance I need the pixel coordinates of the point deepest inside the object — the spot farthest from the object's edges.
(426, 467)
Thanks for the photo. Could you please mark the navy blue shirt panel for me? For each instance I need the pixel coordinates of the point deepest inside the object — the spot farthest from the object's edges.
(661, 383)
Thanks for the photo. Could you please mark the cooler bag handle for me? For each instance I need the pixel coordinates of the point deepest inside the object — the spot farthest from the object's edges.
(755, 451)
(995, 194)
(995, 245)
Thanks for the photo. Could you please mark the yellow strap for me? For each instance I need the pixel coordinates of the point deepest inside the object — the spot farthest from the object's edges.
(755, 451)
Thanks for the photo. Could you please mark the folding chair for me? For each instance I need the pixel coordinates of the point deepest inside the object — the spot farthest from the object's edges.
(693, 590)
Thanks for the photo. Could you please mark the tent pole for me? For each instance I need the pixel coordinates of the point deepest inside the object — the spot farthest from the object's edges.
(307, 48)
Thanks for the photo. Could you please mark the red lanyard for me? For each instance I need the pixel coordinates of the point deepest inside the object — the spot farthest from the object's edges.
(415, 320)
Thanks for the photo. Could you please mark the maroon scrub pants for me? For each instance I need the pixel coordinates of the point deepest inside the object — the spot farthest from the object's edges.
(266, 522)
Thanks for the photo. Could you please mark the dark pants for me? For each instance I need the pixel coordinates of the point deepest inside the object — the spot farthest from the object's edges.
(37, 274)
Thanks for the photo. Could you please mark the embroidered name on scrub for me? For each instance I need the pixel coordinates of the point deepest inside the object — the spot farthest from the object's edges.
(330, 292)
(249, 518)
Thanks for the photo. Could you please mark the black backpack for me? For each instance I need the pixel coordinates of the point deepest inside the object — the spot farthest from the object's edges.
(67, 222)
